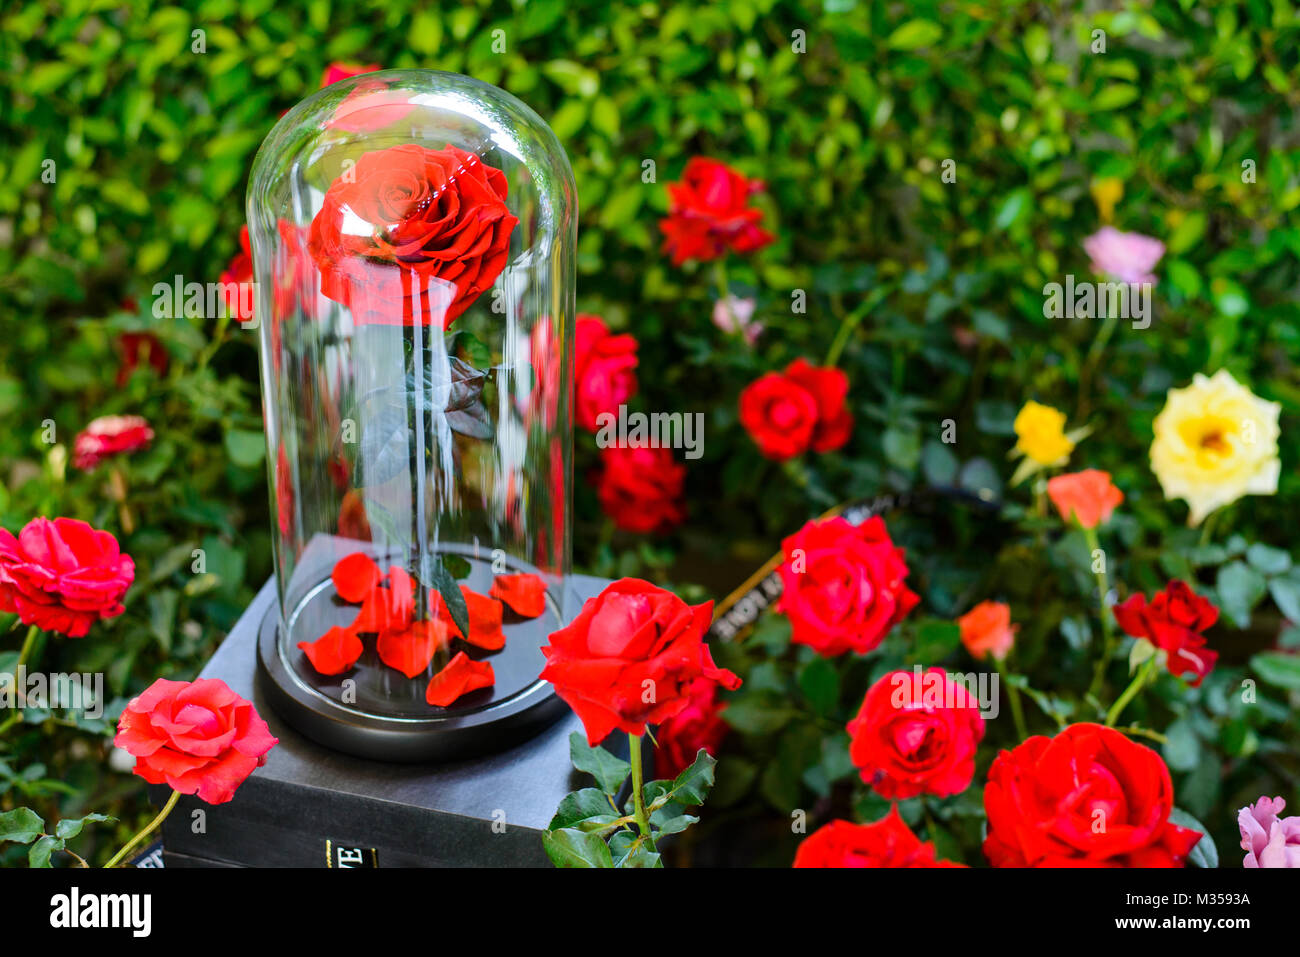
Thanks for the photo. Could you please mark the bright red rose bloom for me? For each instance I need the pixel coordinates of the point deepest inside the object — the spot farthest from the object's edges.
(195, 737)
(779, 415)
(916, 733)
(439, 235)
(888, 842)
(605, 370)
(843, 585)
(829, 388)
(1173, 621)
(107, 436)
(62, 575)
(803, 408)
(698, 725)
(709, 213)
(640, 488)
(631, 657)
(1089, 797)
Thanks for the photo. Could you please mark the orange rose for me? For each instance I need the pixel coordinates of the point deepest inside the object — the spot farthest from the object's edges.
(1088, 495)
(986, 629)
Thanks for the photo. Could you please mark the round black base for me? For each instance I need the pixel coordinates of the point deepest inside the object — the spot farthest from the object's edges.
(387, 718)
(444, 738)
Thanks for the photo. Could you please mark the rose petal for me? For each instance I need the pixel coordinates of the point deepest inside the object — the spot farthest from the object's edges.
(525, 594)
(333, 652)
(355, 576)
(461, 676)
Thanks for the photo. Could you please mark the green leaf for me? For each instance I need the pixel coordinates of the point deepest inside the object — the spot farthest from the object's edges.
(610, 772)
(69, 828)
(915, 34)
(1240, 588)
(1278, 668)
(1268, 560)
(1286, 593)
(820, 684)
(39, 855)
(756, 714)
(692, 785)
(1204, 854)
(568, 847)
(246, 449)
(1182, 748)
(935, 640)
(586, 810)
(21, 825)
(438, 576)
(632, 850)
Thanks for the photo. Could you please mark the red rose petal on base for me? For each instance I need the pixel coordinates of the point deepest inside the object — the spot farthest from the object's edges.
(391, 607)
(461, 676)
(333, 652)
(525, 594)
(355, 577)
(409, 650)
(485, 616)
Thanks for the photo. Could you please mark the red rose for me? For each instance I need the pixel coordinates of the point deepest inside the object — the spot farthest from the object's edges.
(708, 213)
(107, 436)
(1089, 797)
(888, 842)
(138, 347)
(779, 416)
(1173, 621)
(843, 585)
(698, 725)
(195, 737)
(605, 369)
(62, 575)
(630, 658)
(802, 408)
(916, 733)
(438, 235)
(640, 488)
(829, 388)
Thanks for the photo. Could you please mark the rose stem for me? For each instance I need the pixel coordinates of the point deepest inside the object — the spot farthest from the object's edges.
(1107, 627)
(1134, 687)
(638, 798)
(724, 291)
(162, 816)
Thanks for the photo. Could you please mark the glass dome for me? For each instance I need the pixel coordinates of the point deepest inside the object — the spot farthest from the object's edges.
(413, 236)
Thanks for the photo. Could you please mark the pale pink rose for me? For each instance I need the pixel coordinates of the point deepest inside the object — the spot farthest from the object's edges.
(734, 314)
(1269, 839)
(1127, 257)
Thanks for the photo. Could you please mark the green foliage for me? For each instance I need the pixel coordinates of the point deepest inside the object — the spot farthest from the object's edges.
(848, 111)
(590, 830)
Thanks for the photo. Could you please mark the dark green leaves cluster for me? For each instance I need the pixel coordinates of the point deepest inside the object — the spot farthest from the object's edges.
(592, 829)
(24, 826)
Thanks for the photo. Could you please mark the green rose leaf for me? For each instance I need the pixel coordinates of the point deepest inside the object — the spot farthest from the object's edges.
(585, 810)
(21, 825)
(71, 827)
(39, 855)
(1278, 668)
(630, 849)
(610, 772)
(1240, 589)
(569, 847)
(692, 785)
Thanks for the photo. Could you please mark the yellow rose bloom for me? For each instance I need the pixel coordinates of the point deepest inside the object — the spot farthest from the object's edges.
(1215, 441)
(1040, 434)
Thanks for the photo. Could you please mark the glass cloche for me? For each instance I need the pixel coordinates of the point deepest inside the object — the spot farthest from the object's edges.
(413, 236)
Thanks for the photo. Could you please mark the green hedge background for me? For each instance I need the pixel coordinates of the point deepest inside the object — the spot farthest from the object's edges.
(151, 142)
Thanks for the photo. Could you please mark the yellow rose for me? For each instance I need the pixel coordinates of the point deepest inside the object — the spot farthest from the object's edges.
(1040, 434)
(1215, 441)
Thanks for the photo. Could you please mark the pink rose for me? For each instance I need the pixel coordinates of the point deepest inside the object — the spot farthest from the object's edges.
(1269, 839)
(1127, 257)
